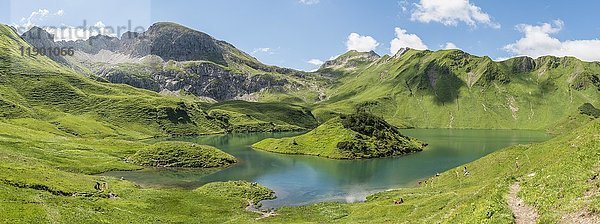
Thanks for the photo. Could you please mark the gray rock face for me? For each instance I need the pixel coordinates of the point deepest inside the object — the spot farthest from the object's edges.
(174, 42)
(188, 60)
(215, 82)
(523, 64)
(39, 38)
(201, 79)
(120, 76)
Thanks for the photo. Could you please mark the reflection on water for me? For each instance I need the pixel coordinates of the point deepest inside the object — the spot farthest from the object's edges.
(299, 180)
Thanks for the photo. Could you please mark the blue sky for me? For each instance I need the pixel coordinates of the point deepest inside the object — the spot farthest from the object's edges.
(291, 33)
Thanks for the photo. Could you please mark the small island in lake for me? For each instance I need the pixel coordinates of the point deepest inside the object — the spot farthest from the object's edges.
(356, 136)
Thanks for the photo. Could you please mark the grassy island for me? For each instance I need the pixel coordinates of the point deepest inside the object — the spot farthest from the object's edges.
(356, 136)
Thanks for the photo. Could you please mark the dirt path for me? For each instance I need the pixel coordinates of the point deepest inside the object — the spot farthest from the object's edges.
(523, 213)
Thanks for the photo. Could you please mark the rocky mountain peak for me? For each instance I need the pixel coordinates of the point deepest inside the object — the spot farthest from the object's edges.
(172, 41)
(351, 60)
(37, 33)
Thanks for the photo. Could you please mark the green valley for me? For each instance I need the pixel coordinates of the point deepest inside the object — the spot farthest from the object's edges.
(90, 138)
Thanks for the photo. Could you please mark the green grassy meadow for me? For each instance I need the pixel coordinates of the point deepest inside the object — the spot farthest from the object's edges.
(60, 130)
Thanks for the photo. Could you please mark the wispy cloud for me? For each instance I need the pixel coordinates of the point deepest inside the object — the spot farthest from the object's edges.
(404, 4)
(309, 2)
(263, 50)
(63, 32)
(316, 62)
(450, 45)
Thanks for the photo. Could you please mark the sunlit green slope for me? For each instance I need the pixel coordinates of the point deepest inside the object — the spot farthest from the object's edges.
(559, 178)
(452, 89)
(39, 88)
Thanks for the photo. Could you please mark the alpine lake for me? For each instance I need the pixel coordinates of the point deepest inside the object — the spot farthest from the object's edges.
(301, 180)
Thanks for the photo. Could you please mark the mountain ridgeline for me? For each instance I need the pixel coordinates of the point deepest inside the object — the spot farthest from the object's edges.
(37, 88)
(453, 89)
(63, 120)
(413, 88)
(173, 58)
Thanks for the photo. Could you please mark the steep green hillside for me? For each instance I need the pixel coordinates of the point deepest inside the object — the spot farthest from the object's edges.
(60, 129)
(43, 168)
(44, 177)
(355, 136)
(558, 178)
(585, 114)
(39, 88)
(452, 89)
(248, 116)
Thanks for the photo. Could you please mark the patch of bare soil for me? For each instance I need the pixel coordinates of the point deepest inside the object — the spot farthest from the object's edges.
(523, 213)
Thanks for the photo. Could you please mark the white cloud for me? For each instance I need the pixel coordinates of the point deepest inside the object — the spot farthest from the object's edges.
(334, 57)
(263, 50)
(451, 12)
(36, 17)
(403, 5)
(63, 32)
(404, 39)
(538, 41)
(316, 62)
(450, 45)
(361, 43)
(309, 2)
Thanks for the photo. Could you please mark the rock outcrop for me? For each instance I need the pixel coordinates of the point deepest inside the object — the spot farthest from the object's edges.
(172, 57)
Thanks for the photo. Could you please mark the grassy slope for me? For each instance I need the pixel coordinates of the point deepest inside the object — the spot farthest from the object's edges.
(242, 115)
(451, 89)
(181, 154)
(58, 127)
(38, 88)
(554, 176)
(321, 141)
(43, 167)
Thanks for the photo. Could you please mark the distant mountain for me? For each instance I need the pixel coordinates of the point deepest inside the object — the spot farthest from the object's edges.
(173, 58)
(44, 93)
(453, 89)
(413, 88)
(350, 60)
